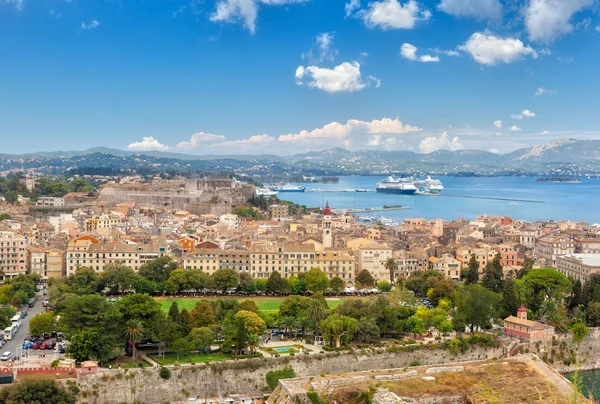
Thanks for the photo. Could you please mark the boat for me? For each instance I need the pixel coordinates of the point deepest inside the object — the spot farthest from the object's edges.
(570, 180)
(429, 186)
(362, 190)
(288, 188)
(265, 192)
(391, 185)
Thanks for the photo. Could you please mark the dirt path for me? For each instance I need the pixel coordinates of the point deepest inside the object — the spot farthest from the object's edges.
(562, 384)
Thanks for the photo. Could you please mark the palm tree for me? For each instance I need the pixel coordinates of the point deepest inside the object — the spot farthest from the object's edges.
(254, 342)
(316, 312)
(287, 323)
(134, 332)
(392, 266)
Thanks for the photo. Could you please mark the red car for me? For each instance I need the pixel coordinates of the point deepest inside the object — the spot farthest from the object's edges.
(46, 345)
(37, 345)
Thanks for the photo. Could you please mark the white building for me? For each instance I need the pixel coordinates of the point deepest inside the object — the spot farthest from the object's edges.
(578, 266)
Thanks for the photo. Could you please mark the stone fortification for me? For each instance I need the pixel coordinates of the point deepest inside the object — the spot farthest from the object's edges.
(245, 376)
(198, 196)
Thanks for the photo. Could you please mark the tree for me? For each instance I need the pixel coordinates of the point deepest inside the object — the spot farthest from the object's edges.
(6, 314)
(339, 329)
(84, 281)
(367, 329)
(384, 286)
(45, 391)
(252, 322)
(493, 276)
(245, 281)
(316, 280)
(316, 312)
(593, 314)
(90, 312)
(41, 323)
(580, 331)
(337, 284)
(203, 314)
(254, 342)
(178, 281)
(186, 322)
(11, 197)
(443, 290)
(477, 305)
(296, 285)
(293, 306)
(249, 305)
(541, 284)
(134, 331)
(225, 278)
(174, 312)
(416, 325)
(527, 266)
(576, 297)
(591, 289)
(509, 304)
(392, 266)
(180, 346)
(201, 338)
(88, 344)
(158, 270)
(139, 307)
(472, 274)
(364, 279)
(421, 282)
(118, 278)
(276, 284)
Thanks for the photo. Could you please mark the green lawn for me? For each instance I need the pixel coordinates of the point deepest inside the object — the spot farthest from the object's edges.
(171, 358)
(263, 303)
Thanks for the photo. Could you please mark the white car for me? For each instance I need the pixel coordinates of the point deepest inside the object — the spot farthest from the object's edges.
(5, 356)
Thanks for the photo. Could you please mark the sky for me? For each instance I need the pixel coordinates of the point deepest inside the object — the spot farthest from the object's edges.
(289, 76)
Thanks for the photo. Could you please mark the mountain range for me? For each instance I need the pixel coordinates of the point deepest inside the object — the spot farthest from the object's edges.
(557, 151)
(575, 156)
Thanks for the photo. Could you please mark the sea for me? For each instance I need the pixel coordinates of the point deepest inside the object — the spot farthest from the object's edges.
(521, 198)
(590, 382)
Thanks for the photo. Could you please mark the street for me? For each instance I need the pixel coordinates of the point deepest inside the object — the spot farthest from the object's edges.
(30, 357)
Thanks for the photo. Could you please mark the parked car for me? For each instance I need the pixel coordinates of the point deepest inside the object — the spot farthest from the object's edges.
(61, 348)
(28, 345)
(47, 345)
(5, 356)
(23, 314)
(38, 345)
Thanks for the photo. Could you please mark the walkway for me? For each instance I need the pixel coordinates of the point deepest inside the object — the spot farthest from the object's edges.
(562, 384)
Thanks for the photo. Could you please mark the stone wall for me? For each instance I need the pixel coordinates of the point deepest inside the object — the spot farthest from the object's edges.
(561, 348)
(245, 376)
(219, 201)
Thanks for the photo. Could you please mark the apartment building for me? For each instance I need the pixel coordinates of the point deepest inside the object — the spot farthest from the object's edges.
(103, 222)
(482, 255)
(585, 245)
(50, 201)
(98, 256)
(578, 266)
(205, 259)
(12, 254)
(449, 266)
(549, 247)
(56, 264)
(36, 260)
(278, 212)
(373, 258)
(411, 261)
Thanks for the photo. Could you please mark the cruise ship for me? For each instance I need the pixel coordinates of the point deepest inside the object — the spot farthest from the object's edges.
(265, 192)
(429, 186)
(288, 188)
(393, 185)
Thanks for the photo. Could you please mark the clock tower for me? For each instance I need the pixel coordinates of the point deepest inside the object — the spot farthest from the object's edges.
(327, 231)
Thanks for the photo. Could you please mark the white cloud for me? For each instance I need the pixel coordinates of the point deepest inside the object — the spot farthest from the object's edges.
(92, 25)
(489, 49)
(479, 9)
(498, 124)
(409, 52)
(147, 143)
(251, 141)
(338, 131)
(244, 11)
(322, 49)
(598, 28)
(351, 7)
(200, 138)
(391, 14)
(17, 3)
(546, 20)
(542, 90)
(545, 132)
(524, 114)
(449, 52)
(515, 128)
(431, 144)
(345, 77)
(545, 51)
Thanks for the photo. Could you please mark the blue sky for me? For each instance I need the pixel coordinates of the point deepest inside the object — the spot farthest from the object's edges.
(285, 76)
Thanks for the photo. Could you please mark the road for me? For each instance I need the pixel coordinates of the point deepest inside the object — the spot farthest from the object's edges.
(15, 345)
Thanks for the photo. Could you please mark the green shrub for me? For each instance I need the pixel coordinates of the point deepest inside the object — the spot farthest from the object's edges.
(414, 363)
(274, 376)
(164, 373)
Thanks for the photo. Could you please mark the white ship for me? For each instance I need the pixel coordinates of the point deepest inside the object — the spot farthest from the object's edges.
(429, 186)
(393, 185)
(265, 192)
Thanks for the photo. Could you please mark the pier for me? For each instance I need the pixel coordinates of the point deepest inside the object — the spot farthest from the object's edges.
(366, 210)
